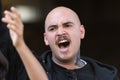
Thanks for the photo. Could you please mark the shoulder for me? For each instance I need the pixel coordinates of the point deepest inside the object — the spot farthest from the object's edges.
(101, 70)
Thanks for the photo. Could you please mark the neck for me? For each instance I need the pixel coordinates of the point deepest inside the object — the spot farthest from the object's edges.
(78, 60)
(71, 64)
(66, 64)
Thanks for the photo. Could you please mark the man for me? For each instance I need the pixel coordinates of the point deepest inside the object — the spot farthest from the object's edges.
(63, 33)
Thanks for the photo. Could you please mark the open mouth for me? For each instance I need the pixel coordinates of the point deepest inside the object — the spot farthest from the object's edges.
(63, 43)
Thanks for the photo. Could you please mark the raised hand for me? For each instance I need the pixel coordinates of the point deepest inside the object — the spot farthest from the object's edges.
(13, 20)
(33, 67)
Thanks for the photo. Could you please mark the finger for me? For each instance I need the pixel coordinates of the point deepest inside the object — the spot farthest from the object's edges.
(9, 13)
(8, 21)
(17, 25)
(14, 16)
(12, 27)
(7, 16)
(15, 11)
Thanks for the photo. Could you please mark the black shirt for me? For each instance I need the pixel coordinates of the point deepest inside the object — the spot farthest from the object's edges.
(60, 73)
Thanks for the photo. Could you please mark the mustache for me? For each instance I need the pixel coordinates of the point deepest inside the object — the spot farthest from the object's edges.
(62, 37)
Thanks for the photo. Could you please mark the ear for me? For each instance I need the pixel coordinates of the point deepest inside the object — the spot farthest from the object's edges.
(45, 39)
(82, 31)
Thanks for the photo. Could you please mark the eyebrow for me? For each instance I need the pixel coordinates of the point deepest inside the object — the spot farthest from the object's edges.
(67, 23)
(52, 26)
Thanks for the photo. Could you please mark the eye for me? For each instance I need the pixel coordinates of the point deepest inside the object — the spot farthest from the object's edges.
(52, 28)
(68, 24)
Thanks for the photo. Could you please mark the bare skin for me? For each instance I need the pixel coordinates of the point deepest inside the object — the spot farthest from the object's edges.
(13, 20)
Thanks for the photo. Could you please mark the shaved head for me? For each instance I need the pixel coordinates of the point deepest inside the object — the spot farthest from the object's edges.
(61, 10)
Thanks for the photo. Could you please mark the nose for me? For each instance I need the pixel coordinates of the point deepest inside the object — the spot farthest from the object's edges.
(61, 31)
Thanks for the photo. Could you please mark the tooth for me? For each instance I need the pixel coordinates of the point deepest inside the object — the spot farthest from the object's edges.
(63, 41)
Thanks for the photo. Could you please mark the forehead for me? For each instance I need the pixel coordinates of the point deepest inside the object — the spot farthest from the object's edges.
(61, 15)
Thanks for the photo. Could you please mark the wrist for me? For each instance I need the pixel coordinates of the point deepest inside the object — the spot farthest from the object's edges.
(20, 45)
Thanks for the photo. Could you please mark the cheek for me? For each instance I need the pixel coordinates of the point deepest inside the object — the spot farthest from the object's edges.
(51, 39)
(75, 37)
(75, 34)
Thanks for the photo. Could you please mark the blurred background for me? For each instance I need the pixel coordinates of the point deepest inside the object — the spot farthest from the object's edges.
(100, 17)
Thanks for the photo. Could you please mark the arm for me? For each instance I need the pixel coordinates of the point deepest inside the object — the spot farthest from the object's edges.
(33, 67)
(15, 26)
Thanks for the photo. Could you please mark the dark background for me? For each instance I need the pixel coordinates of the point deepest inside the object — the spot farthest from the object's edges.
(101, 19)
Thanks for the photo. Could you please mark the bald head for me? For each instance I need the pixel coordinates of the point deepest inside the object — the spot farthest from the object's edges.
(62, 25)
(61, 14)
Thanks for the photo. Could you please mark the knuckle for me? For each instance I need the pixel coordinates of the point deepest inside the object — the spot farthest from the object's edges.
(19, 16)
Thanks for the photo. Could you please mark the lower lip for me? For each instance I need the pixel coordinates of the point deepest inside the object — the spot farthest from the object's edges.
(64, 50)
